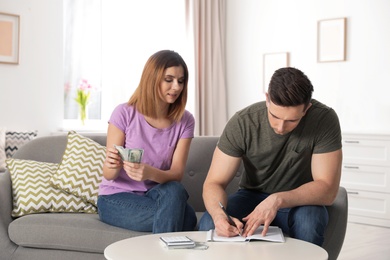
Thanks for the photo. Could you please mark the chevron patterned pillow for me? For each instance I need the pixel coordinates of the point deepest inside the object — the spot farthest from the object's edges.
(32, 192)
(81, 169)
(2, 149)
(14, 140)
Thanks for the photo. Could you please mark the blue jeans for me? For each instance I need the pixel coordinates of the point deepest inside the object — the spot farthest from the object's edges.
(306, 223)
(162, 209)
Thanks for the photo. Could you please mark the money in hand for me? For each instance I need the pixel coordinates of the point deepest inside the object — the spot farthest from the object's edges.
(130, 155)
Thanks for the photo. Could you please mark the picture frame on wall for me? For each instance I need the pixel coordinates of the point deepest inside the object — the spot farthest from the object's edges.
(331, 40)
(272, 62)
(9, 38)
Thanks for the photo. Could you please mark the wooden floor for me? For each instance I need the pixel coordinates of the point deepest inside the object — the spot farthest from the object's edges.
(366, 242)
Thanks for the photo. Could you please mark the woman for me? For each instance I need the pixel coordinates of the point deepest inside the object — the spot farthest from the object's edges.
(148, 196)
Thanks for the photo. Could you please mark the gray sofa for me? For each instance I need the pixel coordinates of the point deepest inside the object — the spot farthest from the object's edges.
(82, 236)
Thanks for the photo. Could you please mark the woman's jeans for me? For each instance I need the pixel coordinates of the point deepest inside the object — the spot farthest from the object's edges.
(162, 209)
(306, 223)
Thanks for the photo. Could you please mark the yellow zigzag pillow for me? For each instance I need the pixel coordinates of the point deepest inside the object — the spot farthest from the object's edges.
(81, 168)
(32, 192)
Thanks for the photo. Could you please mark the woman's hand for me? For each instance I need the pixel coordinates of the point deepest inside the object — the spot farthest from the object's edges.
(113, 160)
(137, 171)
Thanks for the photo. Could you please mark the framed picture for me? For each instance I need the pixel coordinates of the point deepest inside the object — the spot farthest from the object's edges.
(331, 40)
(272, 62)
(9, 38)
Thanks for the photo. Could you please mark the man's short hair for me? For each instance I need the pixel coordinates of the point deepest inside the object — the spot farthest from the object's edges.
(290, 87)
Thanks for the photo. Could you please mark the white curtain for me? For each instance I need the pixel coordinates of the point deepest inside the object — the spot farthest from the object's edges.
(82, 54)
(207, 21)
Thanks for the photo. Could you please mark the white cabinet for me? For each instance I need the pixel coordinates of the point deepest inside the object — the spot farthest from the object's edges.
(366, 176)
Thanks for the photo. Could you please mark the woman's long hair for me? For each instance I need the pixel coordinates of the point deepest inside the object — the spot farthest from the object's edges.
(147, 95)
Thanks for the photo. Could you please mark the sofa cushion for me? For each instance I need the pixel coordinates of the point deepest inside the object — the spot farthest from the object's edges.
(81, 169)
(14, 140)
(66, 231)
(32, 192)
(2, 149)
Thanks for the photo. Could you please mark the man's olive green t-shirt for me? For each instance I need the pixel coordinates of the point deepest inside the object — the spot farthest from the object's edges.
(273, 162)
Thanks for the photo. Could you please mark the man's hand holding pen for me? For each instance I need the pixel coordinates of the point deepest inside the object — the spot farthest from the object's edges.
(227, 225)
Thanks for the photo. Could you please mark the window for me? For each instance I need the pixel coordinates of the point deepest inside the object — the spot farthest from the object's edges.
(107, 42)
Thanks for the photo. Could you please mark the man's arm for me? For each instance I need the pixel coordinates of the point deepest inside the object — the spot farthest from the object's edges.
(326, 171)
(222, 170)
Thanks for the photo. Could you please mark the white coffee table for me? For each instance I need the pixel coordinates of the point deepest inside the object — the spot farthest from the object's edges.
(150, 247)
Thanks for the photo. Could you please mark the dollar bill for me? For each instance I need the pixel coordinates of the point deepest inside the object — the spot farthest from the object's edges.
(130, 155)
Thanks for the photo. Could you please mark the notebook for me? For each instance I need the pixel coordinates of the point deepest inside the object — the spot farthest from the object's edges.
(274, 234)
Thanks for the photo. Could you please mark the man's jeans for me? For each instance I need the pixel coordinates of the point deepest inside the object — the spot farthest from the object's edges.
(306, 223)
(162, 209)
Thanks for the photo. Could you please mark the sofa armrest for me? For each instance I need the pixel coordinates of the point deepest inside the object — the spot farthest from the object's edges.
(5, 213)
(337, 226)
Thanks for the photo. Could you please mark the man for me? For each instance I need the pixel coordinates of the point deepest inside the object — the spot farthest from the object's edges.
(290, 146)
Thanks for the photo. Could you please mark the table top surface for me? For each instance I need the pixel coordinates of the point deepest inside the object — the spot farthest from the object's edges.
(150, 247)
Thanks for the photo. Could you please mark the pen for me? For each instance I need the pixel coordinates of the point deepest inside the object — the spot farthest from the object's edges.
(230, 220)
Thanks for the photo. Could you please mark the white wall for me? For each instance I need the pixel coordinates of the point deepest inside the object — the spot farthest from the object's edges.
(31, 93)
(358, 89)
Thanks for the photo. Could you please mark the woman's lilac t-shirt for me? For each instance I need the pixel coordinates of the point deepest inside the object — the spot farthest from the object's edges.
(158, 145)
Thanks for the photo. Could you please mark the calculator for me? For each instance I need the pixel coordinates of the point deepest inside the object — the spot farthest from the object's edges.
(178, 241)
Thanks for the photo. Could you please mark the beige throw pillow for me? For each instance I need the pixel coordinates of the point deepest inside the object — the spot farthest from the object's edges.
(81, 169)
(32, 192)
